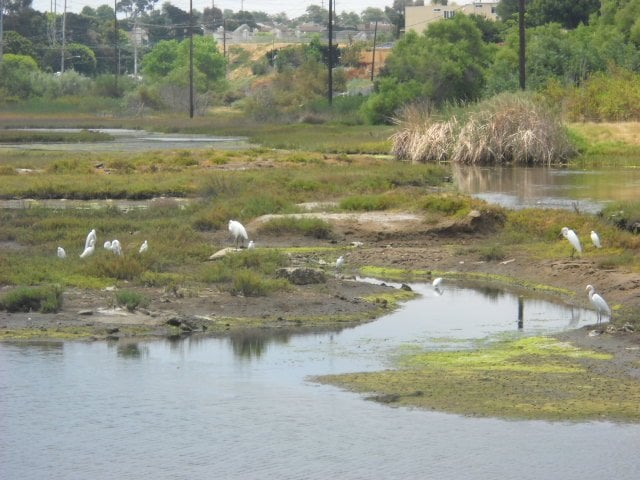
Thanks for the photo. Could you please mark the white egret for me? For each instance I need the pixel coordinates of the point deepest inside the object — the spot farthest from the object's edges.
(61, 253)
(144, 247)
(437, 282)
(238, 232)
(116, 247)
(573, 239)
(595, 239)
(251, 244)
(339, 262)
(89, 249)
(91, 238)
(113, 246)
(598, 302)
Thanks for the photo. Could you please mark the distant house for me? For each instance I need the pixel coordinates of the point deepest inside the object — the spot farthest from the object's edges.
(419, 18)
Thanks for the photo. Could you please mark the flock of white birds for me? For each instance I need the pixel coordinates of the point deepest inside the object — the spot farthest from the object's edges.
(90, 246)
(598, 302)
(239, 234)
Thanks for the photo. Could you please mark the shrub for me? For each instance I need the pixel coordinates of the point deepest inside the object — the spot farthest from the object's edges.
(505, 129)
(46, 299)
(251, 284)
(131, 300)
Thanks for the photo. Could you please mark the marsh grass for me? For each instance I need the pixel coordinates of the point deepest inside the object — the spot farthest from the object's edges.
(131, 299)
(23, 136)
(506, 129)
(45, 299)
(251, 284)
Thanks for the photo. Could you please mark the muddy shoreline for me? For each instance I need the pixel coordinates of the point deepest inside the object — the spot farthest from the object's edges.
(341, 302)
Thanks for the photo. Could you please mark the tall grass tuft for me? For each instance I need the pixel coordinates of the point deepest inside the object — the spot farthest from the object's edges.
(131, 300)
(505, 129)
(46, 299)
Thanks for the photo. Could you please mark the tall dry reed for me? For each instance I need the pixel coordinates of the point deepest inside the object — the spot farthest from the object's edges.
(507, 129)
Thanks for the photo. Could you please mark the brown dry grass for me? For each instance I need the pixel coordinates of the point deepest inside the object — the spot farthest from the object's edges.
(626, 132)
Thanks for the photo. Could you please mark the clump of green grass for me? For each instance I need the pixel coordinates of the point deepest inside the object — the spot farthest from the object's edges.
(131, 300)
(251, 284)
(370, 203)
(307, 226)
(113, 266)
(45, 299)
(492, 253)
(446, 204)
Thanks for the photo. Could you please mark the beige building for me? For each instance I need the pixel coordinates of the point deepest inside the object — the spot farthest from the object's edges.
(419, 18)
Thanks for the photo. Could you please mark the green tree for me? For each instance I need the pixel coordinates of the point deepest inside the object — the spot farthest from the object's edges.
(568, 13)
(446, 63)
(16, 73)
(168, 61)
(371, 15)
(17, 44)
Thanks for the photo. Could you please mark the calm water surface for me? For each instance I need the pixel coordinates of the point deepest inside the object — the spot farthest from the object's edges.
(244, 407)
(587, 190)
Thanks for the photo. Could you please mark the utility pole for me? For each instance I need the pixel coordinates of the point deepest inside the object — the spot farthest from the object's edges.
(1, 29)
(373, 58)
(522, 44)
(115, 46)
(190, 58)
(330, 89)
(64, 22)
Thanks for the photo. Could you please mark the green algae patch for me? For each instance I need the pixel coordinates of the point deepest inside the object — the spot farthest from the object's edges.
(534, 378)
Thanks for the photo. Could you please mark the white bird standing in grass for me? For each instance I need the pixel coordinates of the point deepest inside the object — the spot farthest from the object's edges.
(61, 253)
(238, 232)
(144, 247)
(573, 240)
(251, 244)
(90, 248)
(598, 302)
(595, 239)
(91, 237)
(339, 262)
(114, 246)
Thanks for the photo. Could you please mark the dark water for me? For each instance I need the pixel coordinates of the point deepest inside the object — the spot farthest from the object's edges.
(244, 408)
(585, 190)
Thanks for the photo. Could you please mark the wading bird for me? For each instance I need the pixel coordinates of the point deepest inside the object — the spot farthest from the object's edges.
(573, 240)
(89, 249)
(251, 244)
(114, 246)
(144, 247)
(61, 253)
(91, 238)
(598, 302)
(238, 232)
(595, 239)
(339, 262)
(437, 285)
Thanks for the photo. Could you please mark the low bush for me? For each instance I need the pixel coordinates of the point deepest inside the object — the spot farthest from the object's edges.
(46, 299)
(252, 284)
(131, 300)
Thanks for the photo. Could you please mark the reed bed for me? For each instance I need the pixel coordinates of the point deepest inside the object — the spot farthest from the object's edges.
(508, 129)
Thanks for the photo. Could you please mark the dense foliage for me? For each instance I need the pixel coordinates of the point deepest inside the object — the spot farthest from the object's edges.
(571, 46)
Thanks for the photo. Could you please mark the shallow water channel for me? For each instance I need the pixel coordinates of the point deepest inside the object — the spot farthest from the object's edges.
(544, 187)
(245, 407)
